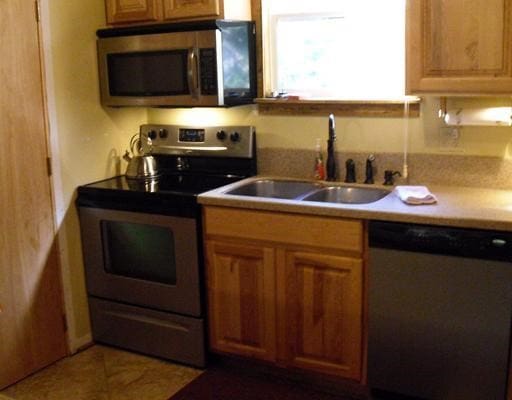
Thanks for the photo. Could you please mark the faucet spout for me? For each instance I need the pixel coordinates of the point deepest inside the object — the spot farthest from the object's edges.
(331, 161)
(332, 128)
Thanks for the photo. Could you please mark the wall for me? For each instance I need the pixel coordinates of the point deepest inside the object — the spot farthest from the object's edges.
(370, 135)
(86, 140)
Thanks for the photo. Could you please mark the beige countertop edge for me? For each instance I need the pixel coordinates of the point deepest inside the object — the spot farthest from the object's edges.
(457, 206)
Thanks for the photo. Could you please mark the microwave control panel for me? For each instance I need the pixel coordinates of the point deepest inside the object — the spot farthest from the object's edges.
(208, 71)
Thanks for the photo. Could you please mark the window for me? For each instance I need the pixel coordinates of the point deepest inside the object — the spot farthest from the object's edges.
(343, 49)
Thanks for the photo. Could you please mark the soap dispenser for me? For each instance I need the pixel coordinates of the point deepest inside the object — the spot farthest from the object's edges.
(319, 170)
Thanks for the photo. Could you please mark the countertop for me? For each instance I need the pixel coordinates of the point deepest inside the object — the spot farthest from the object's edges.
(457, 206)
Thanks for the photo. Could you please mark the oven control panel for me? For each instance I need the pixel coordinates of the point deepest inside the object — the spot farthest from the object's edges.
(214, 141)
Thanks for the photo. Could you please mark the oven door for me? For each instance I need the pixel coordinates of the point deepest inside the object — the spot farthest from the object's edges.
(142, 259)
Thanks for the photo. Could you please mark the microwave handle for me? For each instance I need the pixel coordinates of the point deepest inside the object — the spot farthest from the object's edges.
(192, 73)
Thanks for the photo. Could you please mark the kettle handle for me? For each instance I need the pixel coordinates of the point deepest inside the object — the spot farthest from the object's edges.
(135, 145)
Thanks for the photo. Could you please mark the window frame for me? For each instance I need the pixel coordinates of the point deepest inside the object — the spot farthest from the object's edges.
(364, 108)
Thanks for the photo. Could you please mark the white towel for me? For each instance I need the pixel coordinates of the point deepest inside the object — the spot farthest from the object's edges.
(415, 195)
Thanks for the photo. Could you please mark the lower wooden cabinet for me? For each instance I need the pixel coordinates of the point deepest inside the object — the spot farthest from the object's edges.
(241, 294)
(286, 299)
(321, 301)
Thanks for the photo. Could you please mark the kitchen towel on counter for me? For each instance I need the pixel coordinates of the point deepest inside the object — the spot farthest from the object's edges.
(415, 195)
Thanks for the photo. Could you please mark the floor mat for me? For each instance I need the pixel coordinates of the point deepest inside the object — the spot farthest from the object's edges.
(220, 383)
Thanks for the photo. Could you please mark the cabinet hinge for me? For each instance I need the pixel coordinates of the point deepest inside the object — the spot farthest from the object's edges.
(38, 11)
(49, 165)
(64, 322)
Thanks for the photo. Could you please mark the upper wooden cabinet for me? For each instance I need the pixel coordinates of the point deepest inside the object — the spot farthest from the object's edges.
(158, 11)
(183, 9)
(130, 11)
(459, 47)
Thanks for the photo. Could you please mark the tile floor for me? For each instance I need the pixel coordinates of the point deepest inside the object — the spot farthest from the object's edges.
(103, 373)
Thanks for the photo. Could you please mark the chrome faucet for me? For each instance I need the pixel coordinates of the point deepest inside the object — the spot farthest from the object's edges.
(331, 161)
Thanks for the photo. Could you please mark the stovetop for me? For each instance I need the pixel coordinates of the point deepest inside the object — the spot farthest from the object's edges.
(167, 195)
(181, 184)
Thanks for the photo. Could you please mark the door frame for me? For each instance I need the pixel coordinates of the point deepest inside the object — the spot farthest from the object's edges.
(59, 206)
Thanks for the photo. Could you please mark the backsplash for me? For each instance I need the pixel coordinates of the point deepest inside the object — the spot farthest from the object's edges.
(450, 170)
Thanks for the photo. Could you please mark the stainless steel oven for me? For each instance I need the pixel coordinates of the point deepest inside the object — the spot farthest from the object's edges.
(142, 241)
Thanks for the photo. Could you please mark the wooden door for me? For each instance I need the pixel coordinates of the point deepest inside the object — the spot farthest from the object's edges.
(192, 9)
(31, 311)
(459, 46)
(241, 295)
(129, 11)
(321, 313)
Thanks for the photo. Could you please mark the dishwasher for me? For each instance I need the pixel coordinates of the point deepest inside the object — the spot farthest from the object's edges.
(439, 312)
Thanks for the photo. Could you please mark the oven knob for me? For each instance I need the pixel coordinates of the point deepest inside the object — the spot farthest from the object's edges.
(221, 135)
(235, 137)
(152, 135)
(163, 133)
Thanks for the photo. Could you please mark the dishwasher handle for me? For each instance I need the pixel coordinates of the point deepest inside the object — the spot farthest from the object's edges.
(433, 239)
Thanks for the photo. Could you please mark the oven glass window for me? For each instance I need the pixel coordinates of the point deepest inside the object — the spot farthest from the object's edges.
(139, 251)
(151, 73)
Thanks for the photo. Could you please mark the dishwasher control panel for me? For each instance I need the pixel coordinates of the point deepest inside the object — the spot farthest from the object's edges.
(461, 242)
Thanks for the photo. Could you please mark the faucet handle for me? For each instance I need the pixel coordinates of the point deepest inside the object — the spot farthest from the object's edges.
(350, 166)
(369, 169)
(389, 177)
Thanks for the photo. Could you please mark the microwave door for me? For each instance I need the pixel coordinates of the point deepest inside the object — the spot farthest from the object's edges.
(150, 70)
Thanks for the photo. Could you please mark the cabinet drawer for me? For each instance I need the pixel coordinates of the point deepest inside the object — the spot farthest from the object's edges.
(152, 332)
(294, 229)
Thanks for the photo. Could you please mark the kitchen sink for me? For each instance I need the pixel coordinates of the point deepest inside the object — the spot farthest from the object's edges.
(347, 195)
(309, 191)
(275, 188)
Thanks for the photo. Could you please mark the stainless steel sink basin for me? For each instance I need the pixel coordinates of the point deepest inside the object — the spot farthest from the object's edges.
(348, 195)
(275, 188)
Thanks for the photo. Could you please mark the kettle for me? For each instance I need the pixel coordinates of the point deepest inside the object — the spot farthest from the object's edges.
(140, 165)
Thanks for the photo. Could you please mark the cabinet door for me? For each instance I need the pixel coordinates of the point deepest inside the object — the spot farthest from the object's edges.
(459, 46)
(320, 309)
(189, 9)
(241, 294)
(126, 11)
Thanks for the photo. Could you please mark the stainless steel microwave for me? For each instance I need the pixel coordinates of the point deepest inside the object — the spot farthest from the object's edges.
(200, 64)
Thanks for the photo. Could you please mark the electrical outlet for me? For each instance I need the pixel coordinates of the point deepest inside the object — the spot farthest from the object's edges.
(449, 138)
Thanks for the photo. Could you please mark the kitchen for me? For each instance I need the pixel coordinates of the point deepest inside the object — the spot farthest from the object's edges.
(88, 140)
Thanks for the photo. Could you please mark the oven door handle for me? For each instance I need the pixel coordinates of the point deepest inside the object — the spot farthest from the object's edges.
(193, 73)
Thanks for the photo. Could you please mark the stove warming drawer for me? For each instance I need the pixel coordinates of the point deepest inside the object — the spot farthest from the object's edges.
(148, 331)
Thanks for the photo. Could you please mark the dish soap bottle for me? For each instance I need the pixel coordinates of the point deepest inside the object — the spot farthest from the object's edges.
(319, 172)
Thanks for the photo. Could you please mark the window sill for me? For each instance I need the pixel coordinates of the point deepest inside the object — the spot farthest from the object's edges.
(345, 108)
